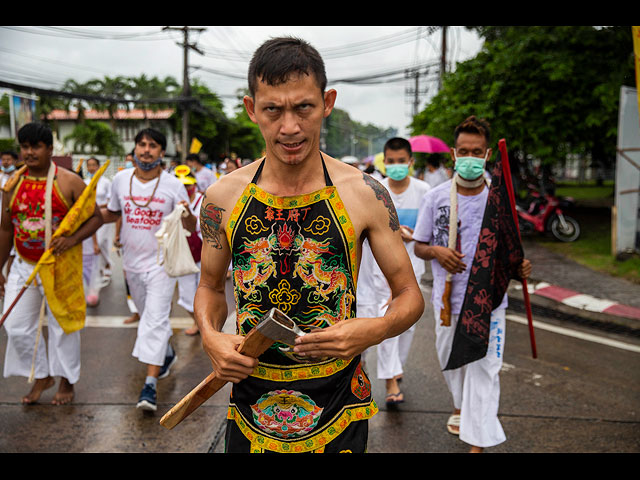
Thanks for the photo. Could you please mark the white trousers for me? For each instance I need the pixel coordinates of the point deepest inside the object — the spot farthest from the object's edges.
(61, 354)
(392, 352)
(475, 387)
(187, 286)
(152, 293)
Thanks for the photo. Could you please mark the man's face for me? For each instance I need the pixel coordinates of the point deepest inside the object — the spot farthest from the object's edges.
(470, 145)
(7, 161)
(290, 117)
(148, 150)
(36, 156)
(92, 166)
(393, 157)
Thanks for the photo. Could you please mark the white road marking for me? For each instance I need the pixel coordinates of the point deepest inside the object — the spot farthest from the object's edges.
(575, 334)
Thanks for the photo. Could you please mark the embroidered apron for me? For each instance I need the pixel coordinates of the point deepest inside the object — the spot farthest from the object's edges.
(27, 215)
(297, 254)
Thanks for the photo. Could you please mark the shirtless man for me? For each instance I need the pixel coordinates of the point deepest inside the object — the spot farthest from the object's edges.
(22, 206)
(301, 216)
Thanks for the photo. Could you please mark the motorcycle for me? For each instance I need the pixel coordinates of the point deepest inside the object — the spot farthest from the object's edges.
(543, 213)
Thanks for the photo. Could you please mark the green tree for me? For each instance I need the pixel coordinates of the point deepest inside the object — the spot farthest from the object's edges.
(94, 137)
(549, 90)
(245, 138)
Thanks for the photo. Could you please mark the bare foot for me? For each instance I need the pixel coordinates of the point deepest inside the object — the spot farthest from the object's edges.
(133, 318)
(40, 385)
(64, 394)
(476, 450)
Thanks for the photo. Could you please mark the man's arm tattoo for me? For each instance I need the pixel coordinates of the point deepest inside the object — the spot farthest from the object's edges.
(210, 224)
(383, 195)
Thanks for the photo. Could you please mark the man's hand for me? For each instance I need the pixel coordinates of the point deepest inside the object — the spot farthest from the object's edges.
(345, 340)
(449, 259)
(228, 364)
(189, 221)
(525, 269)
(62, 244)
(406, 233)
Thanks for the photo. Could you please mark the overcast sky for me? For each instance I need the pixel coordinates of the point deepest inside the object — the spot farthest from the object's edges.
(47, 56)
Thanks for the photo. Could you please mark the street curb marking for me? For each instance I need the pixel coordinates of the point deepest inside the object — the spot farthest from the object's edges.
(580, 300)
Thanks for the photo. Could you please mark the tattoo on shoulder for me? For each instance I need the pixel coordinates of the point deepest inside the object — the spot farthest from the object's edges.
(211, 224)
(383, 195)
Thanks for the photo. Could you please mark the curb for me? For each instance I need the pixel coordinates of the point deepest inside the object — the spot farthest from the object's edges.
(579, 304)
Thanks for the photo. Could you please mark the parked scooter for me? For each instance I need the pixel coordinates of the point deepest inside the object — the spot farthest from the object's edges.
(545, 213)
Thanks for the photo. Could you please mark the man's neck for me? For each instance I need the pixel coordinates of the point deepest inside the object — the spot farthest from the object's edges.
(399, 186)
(39, 171)
(469, 191)
(146, 176)
(291, 180)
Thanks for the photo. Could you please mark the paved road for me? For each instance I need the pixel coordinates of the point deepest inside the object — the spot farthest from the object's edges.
(577, 396)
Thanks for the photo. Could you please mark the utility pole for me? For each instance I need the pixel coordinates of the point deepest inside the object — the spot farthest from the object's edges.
(186, 88)
(415, 91)
(443, 58)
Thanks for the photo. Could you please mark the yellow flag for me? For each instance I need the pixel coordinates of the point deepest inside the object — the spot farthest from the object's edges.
(61, 275)
(196, 145)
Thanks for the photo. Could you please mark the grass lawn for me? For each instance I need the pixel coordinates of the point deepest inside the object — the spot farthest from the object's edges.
(593, 248)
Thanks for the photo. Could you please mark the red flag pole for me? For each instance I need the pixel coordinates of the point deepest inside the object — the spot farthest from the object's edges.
(506, 171)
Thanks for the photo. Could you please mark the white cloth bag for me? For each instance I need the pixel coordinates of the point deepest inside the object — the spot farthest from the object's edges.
(172, 243)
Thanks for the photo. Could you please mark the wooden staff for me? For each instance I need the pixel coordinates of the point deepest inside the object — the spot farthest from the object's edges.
(506, 172)
(445, 311)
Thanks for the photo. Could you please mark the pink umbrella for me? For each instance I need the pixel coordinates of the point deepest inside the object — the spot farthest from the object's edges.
(427, 144)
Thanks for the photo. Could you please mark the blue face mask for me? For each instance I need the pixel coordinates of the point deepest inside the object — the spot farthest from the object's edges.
(470, 168)
(147, 166)
(128, 164)
(397, 171)
(8, 169)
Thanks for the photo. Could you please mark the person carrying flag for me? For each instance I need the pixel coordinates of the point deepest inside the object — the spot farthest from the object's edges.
(26, 226)
(447, 233)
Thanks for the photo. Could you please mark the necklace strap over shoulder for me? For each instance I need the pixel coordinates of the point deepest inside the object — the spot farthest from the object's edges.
(146, 205)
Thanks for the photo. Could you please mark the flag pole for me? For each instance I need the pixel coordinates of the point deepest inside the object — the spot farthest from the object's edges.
(506, 170)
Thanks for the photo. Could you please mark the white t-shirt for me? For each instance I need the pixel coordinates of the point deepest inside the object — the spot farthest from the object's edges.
(103, 192)
(436, 177)
(139, 224)
(432, 227)
(407, 204)
(204, 178)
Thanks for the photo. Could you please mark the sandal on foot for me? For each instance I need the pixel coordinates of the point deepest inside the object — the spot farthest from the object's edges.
(453, 424)
(395, 398)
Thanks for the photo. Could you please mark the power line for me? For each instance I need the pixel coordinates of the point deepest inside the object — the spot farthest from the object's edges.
(89, 34)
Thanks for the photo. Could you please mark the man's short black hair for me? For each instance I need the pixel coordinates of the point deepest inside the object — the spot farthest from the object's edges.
(195, 157)
(276, 59)
(35, 132)
(398, 143)
(94, 159)
(154, 135)
(473, 125)
(10, 152)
